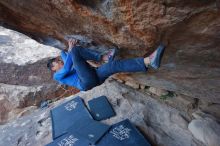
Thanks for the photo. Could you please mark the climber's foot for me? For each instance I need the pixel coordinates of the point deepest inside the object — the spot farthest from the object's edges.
(155, 58)
(109, 56)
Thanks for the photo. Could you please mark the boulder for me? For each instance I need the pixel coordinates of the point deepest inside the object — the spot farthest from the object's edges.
(206, 130)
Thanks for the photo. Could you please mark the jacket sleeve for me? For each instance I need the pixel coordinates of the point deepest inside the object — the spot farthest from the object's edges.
(63, 56)
(68, 80)
(67, 67)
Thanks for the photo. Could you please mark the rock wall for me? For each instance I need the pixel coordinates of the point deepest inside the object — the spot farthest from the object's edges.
(192, 28)
(131, 24)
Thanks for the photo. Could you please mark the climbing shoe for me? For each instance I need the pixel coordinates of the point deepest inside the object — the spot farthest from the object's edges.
(111, 55)
(155, 57)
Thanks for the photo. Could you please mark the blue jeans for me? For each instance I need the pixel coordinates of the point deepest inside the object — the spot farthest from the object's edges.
(90, 77)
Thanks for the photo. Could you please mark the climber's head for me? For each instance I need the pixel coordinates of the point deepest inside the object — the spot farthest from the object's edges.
(54, 64)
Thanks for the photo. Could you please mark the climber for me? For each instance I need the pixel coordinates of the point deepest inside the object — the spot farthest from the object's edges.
(75, 71)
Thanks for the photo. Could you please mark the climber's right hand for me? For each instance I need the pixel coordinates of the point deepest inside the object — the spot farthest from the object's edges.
(72, 43)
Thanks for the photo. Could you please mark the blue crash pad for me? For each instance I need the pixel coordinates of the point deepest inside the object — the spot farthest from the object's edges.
(69, 139)
(68, 115)
(123, 134)
(91, 130)
(88, 132)
(100, 108)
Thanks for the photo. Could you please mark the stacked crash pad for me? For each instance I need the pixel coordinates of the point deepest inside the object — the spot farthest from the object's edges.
(72, 125)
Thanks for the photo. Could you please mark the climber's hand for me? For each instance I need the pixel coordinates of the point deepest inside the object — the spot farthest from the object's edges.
(72, 43)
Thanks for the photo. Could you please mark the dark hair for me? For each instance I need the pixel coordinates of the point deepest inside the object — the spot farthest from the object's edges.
(50, 63)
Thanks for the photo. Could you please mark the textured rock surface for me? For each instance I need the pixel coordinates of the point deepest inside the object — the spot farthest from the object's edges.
(206, 130)
(190, 65)
(157, 91)
(16, 48)
(13, 97)
(159, 123)
(213, 110)
(23, 60)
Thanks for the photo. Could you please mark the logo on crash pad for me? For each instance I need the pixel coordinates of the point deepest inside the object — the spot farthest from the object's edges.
(68, 141)
(120, 132)
(71, 105)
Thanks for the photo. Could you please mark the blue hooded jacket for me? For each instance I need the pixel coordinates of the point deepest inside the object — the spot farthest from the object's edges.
(67, 74)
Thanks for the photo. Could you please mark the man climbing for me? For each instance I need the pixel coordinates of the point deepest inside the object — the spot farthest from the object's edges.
(75, 71)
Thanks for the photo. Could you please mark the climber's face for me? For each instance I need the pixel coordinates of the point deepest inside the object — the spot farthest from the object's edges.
(57, 65)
